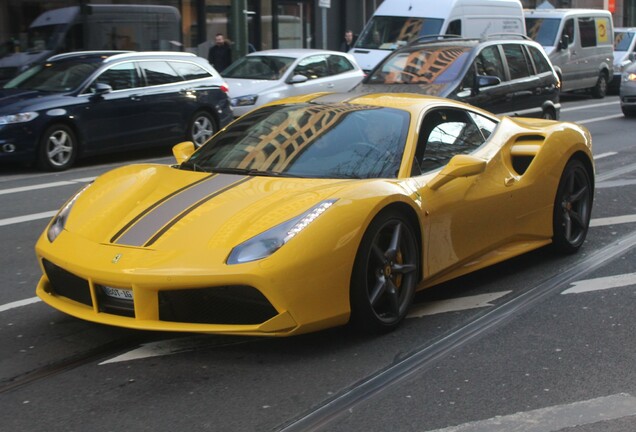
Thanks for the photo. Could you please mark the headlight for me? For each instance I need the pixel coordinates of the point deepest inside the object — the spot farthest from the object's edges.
(18, 118)
(265, 244)
(244, 100)
(59, 221)
(629, 77)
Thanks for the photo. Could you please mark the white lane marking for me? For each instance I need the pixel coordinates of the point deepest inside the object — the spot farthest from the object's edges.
(456, 304)
(27, 218)
(612, 220)
(555, 418)
(582, 107)
(604, 155)
(19, 303)
(603, 283)
(46, 185)
(615, 183)
(598, 119)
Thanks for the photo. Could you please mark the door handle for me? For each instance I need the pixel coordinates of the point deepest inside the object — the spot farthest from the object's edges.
(135, 97)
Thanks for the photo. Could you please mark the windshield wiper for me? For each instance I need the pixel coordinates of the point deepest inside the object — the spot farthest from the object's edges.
(252, 172)
(191, 166)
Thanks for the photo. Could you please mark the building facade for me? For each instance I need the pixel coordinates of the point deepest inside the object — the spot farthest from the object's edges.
(269, 23)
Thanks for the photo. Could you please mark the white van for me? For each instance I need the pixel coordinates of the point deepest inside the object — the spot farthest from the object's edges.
(396, 22)
(579, 43)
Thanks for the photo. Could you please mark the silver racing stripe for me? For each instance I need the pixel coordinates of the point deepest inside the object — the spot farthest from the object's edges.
(153, 222)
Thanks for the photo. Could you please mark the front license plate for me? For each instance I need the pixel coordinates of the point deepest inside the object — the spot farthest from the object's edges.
(118, 293)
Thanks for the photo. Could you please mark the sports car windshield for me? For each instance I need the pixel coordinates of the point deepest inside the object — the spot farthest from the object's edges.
(259, 67)
(309, 140)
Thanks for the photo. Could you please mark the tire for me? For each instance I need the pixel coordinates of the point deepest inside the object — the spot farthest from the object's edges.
(600, 89)
(628, 112)
(549, 114)
(58, 148)
(572, 208)
(202, 127)
(385, 274)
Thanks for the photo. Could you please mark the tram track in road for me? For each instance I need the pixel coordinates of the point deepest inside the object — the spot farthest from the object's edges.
(421, 359)
(64, 365)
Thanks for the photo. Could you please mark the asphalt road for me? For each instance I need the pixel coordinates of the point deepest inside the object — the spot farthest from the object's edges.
(538, 344)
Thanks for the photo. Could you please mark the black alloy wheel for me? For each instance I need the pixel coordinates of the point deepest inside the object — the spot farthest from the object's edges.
(385, 274)
(572, 207)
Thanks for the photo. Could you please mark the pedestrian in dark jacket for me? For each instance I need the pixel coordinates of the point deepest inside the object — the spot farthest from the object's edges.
(347, 44)
(220, 54)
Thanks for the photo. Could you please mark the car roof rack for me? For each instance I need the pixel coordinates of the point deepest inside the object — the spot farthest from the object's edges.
(506, 36)
(433, 37)
(81, 53)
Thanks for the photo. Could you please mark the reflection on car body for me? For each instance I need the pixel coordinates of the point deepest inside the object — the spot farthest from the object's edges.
(298, 216)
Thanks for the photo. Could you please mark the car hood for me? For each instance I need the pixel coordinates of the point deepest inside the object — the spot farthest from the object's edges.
(441, 90)
(13, 101)
(243, 87)
(163, 208)
(23, 58)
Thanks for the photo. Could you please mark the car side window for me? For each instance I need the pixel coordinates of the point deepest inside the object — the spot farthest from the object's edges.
(445, 133)
(312, 67)
(190, 71)
(338, 64)
(540, 62)
(121, 76)
(158, 73)
(486, 126)
(518, 63)
(587, 27)
(489, 63)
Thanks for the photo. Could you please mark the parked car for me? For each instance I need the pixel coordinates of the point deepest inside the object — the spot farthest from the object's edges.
(579, 43)
(315, 211)
(504, 76)
(84, 103)
(628, 91)
(624, 53)
(265, 76)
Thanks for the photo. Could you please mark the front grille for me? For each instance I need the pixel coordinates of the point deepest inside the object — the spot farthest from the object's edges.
(66, 284)
(219, 305)
(113, 305)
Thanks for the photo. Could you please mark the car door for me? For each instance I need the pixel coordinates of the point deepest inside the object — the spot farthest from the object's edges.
(525, 86)
(469, 216)
(316, 70)
(494, 98)
(567, 57)
(342, 73)
(114, 119)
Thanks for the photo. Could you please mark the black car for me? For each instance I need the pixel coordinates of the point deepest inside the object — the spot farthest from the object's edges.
(85, 103)
(505, 76)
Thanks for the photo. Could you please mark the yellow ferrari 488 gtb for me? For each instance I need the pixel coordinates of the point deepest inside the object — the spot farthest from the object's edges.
(316, 211)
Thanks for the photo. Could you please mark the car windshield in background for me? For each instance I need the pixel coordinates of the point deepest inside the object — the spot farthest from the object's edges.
(54, 77)
(434, 65)
(259, 67)
(543, 30)
(392, 32)
(309, 140)
(622, 40)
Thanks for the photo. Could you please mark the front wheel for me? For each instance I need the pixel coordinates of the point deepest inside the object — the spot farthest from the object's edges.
(58, 148)
(201, 128)
(385, 274)
(572, 207)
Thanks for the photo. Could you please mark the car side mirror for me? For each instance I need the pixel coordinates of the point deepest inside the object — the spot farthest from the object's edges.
(564, 42)
(487, 81)
(183, 151)
(101, 89)
(631, 57)
(458, 166)
(298, 79)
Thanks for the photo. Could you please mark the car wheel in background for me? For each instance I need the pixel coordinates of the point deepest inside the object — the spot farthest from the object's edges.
(549, 114)
(600, 89)
(628, 112)
(572, 207)
(201, 128)
(385, 274)
(58, 148)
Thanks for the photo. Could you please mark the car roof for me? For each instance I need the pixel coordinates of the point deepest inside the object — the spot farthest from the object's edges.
(293, 52)
(110, 55)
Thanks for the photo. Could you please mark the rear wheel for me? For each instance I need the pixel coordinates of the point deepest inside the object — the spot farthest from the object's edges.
(600, 89)
(572, 207)
(628, 112)
(201, 128)
(58, 148)
(385, 274)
